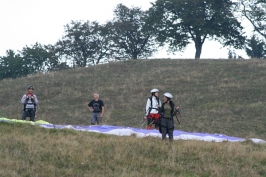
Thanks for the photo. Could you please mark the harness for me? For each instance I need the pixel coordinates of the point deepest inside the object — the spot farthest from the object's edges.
(150, 108)
(27, 102)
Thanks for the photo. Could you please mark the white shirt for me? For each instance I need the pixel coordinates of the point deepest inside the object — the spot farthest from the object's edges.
(154, 109)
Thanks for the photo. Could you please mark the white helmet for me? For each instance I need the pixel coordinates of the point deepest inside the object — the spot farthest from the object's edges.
(168, 95)
(154, 90)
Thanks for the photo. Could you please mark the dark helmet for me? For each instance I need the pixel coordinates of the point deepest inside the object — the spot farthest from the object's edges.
(30, 87)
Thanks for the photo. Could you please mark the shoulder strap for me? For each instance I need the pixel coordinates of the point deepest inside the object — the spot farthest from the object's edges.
(151, 101)
(157, 98)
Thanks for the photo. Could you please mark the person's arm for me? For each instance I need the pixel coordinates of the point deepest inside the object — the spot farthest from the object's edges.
(90, 107)
(35, 99)
(102, 111)
(160, 103)
(23, 99)
(159, 106)
(148, 107)
(176, 110)
(147, 110)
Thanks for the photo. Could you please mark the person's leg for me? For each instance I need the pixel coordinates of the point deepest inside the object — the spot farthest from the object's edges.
(163, 128)
(170, 129)
(156, 121)
(93, 118)
(24, 115)
(32, 114)
(98, 118)
(149, 123)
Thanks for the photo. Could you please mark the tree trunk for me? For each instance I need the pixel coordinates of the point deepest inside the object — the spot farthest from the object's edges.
(198, 46)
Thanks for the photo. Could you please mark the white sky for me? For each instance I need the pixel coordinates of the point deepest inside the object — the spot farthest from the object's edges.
(25, 22)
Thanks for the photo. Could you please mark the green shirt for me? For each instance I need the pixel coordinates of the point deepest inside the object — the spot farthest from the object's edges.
(167, 110)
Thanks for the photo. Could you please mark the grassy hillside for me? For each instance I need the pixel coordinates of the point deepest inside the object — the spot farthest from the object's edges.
(31, 151)
(215, 96)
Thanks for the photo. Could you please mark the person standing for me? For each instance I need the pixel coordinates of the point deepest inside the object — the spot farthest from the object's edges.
(96, 106)
(168, 111)
(152, 109)
(29, 101)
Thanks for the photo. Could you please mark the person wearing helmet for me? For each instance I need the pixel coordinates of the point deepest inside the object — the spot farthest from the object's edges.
(152, 109)
(168, 111)
(29, 101)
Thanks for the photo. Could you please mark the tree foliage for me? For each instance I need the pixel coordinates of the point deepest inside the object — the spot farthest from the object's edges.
(255, 12)
(12, 65)
(39, 58)
(29, 60)
(177, 22)
(84, 43)
(255, 48)
(130, 35)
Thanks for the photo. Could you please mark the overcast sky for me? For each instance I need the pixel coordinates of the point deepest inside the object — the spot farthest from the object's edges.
(25, 22)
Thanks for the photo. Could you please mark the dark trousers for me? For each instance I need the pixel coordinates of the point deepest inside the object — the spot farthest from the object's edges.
(95, 118)
(167, 127)
(29, 112)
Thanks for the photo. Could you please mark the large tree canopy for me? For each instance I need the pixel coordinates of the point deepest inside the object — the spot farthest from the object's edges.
(255, 12)
(177, 22)
(130, 35)
(39, 58)
(84, 43)
(29, 60)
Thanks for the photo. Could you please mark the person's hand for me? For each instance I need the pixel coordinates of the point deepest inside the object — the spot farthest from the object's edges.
(101, 115)
(177, 110)
(158, 106)
(145, 117)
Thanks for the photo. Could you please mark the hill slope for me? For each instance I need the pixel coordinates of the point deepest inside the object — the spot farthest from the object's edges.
(215, 96)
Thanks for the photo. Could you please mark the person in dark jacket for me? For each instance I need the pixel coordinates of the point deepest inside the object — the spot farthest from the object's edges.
(168, 111)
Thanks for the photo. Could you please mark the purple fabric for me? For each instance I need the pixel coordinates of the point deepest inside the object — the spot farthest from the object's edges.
(177, 133)
(127, 131)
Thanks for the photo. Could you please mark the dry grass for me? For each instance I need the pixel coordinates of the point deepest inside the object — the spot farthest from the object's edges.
(32, 151)
(215, 96)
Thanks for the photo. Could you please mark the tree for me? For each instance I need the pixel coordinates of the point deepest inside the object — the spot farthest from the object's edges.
(84, 43)
(130, 35)
(255, 12)
(177, 22)
(29, 60)
(38, 58)
(255, 48)
(12, 66)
